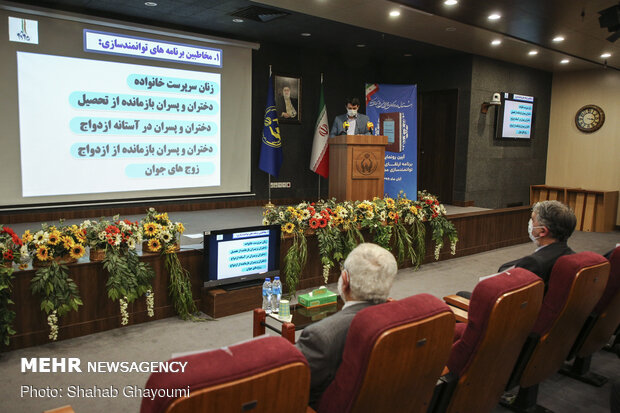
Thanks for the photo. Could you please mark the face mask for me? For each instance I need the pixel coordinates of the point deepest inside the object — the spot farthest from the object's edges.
(530, 228)
(352, 112)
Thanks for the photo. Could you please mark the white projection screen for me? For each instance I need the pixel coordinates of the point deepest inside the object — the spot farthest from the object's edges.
(98, 112)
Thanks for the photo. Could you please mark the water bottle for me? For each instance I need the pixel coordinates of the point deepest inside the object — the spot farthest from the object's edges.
(267, 295)
(276, 289)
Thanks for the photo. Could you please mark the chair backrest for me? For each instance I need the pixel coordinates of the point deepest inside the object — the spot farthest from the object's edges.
(607, 311)
(263, 375)
(393, 356)
(576, 284)
(502, 312)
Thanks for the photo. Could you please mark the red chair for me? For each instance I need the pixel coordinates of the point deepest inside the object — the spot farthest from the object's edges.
(502, 312)
(263, 375)
(392, 358)
(598, 329)
(576, 284)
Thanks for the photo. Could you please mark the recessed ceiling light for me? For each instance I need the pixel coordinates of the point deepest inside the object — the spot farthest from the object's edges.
(494, 16)
(450, 29)
(150, 4)
(450, 2)
(558, 39)
(532, 52)
(306, 34)
(564, 61)
(237, 20)
(360, 45)
(496, 42)
(394, 13)
(606, 55)
(407, 55)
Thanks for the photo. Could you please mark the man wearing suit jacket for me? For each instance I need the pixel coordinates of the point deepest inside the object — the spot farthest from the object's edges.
(352, 122)
(550, 226)
(365, 280)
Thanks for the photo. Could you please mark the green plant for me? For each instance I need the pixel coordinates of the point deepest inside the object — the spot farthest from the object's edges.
(180, 288)
(6, 314)
(330, 248)
(59, 294)
(294, 261)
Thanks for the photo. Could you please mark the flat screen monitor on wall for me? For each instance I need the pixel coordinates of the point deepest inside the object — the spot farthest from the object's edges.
(515, 117)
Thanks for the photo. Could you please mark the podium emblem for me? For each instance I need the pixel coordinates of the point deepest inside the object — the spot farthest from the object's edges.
(366, 163)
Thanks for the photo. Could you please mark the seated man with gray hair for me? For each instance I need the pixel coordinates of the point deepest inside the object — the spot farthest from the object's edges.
(550, 226)
(366, 279)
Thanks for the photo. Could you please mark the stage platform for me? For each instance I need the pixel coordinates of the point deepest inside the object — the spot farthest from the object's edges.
(478, 230)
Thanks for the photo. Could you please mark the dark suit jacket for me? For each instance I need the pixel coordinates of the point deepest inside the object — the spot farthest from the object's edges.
(322, 344)
(361, 123)
(541, 262)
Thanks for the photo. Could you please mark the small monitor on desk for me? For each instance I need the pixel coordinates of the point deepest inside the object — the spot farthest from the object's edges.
(238, 256)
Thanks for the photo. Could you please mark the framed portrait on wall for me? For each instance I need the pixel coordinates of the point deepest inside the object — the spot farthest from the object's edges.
(288, 99)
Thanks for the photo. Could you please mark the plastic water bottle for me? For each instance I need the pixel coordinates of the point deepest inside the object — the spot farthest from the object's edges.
(276, 289)
(267, 295)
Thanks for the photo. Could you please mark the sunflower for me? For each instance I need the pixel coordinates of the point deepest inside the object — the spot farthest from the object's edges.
(77, 251)
(288, 227)
(150, 229)
(27, 237)
(166, 236)
(392, 214)
(54, 238)
(180, 227)
(41, 237)
(43, 253)
(389, 202)
(67, 242)
(154, 245)
(413, 210)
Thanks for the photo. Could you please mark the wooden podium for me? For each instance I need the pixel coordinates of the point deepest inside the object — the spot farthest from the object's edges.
(356, 167)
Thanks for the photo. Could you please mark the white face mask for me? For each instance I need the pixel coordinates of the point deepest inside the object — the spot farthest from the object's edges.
(530, 228)
(352, 112)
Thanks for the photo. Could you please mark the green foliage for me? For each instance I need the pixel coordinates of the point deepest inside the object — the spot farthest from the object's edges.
(442, 228)
(58, 292)
(331, 247)
(129, 277)
(382, 235)
(294, 261)
(418, 235)
(6, 314)
(180, 288)
(350, 239)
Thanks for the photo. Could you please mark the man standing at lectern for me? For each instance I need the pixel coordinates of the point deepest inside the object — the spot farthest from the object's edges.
(352, 122)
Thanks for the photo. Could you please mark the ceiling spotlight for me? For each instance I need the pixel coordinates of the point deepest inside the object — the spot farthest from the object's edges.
(150, 4)
(564, 61)
(532, 52)
(450, 2)
(360, 45)
(496, 42)
(237, 20)
(606, 55)
(407, 55)
(394, 13)
(306, 34)
(450, 29)
(558, 39)
(494, 16)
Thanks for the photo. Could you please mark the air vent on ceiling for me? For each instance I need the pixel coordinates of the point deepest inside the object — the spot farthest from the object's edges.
(259, 14)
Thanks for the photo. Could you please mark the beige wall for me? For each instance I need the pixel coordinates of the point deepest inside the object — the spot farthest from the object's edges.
(585, 160)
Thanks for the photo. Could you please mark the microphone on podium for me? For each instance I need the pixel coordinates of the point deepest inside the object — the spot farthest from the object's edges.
(345, 126)
(370, 127)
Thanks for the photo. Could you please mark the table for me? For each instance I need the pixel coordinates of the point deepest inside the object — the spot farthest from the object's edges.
(302, 317)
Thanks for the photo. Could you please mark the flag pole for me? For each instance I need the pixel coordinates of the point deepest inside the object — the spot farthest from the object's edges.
(269, 204)
(319, 176)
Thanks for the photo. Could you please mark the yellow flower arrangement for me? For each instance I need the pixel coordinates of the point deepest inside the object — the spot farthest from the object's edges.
(154, 245)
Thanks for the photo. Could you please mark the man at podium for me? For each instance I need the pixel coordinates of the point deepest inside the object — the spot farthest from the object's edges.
(352, 122)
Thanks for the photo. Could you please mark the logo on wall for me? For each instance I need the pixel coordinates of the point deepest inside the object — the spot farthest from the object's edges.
(23, 30)
(366, 163)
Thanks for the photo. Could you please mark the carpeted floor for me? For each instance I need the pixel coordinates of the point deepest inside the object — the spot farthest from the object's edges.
(157, 340)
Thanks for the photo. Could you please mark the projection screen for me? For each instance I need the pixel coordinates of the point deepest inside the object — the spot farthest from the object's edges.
(96, 111)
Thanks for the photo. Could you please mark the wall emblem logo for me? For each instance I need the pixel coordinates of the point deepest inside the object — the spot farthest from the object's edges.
(366, 163)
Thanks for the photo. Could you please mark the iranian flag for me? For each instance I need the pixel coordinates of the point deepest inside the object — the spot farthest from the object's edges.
(319, 160)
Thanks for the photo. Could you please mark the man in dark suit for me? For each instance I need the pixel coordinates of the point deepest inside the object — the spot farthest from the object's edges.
(352, 122)
(366, 279)
(550, 226)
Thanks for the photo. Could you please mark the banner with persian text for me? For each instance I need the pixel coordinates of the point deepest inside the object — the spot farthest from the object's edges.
(393, 109)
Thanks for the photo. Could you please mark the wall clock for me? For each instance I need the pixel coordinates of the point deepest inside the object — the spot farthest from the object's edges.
(589, 118)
